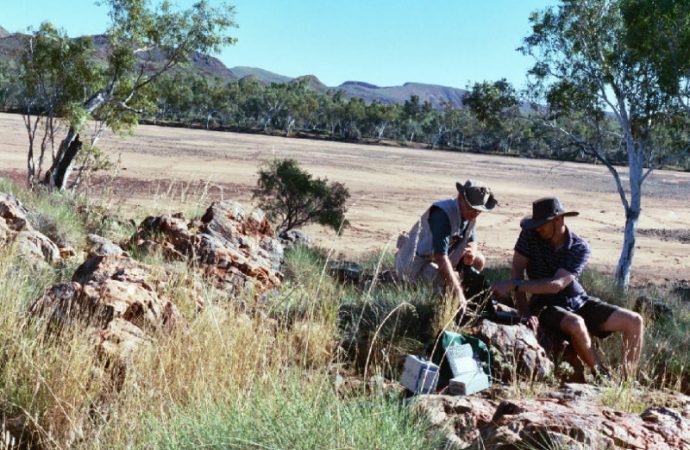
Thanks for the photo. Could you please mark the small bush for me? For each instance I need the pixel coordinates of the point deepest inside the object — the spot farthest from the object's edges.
(291, 197)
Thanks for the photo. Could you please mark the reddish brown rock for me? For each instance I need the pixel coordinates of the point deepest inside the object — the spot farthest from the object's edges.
(14, 213)
(100, 246)
(36, 246)
(16, 230)
(4, 230)
(115, 298)
(235, 248)
(460, 418)
(515, 350)
(566, 420)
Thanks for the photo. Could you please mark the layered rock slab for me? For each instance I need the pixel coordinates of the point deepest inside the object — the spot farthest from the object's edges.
(114, 297)
(235, 248)
(515, 350)
(565, 419)
(15, 228)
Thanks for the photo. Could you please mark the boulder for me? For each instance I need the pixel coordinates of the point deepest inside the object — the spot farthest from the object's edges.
(36, 246)
(294, 238)
(569, 421)
(16, 229)
(14, 213)
(515, 350)
(114, 298)
(460, 419)
(347, 272)
(653, 307)
(234, 247)
(100, 246)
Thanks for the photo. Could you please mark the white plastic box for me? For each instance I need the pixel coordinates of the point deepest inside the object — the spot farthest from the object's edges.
(468, 376)
(421, 377)
(468, 384)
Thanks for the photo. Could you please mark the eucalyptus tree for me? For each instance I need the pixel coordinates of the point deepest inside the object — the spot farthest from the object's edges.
(495, 106)
(144, 41)
(378, 118)
(54, 71)
(659, 31)
(584, 63)
(412, 116)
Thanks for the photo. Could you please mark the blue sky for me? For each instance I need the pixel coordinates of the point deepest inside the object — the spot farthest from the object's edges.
(385, 42)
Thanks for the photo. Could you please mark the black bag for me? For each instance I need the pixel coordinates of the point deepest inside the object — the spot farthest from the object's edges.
(482, 303)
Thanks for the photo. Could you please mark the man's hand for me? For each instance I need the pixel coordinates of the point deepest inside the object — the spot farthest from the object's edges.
(531, 321)
(503, 288)
(468, 257)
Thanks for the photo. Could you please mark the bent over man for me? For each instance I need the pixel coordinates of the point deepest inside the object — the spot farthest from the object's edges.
(553, 258)
(443, 237)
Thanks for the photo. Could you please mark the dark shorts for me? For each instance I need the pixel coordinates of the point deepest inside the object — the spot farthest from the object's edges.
(594, 312)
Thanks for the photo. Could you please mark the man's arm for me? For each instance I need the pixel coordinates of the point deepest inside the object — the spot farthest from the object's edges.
(449, 275)
(470, 253)
(552, 285)
(517, 272)
(520, 286)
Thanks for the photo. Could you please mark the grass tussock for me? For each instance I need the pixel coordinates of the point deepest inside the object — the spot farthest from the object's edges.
(292, 413)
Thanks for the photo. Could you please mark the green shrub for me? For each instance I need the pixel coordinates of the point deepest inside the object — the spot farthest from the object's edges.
(291, 197)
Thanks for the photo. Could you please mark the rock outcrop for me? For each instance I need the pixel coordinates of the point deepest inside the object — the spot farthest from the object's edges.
(569, 418)
(294, 238)
(100, 246)
(234, 247)
(16, 229)
(515, 350)
(115, 298)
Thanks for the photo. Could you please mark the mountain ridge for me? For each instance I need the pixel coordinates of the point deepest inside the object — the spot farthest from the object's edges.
(12, 44)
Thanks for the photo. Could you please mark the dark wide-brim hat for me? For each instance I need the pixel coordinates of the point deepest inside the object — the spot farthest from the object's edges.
(545, 210)
(477, 195)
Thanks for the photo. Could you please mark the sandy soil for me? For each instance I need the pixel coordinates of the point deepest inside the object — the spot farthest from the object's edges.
(164, 168)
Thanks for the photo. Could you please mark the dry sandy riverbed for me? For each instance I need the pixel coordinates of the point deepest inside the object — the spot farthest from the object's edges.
(163, 168)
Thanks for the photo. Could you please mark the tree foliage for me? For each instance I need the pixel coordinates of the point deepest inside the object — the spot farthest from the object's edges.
(64, 83)
(291, 197)
(586, 67)
(658, 31)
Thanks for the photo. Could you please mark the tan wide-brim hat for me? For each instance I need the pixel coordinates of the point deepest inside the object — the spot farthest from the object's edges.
(477, 195)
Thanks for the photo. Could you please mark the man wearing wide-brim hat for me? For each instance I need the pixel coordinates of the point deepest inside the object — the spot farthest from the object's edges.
(444, 237)
(553, 257)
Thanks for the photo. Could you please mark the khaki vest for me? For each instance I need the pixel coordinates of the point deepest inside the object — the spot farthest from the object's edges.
(415, 247)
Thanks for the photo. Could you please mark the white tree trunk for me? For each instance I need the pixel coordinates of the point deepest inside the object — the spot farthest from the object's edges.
(632, 214)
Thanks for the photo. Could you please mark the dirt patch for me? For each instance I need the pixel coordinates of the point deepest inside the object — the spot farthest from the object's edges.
(169, 169)
(682, 236)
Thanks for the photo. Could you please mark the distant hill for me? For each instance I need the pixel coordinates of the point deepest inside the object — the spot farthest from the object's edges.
(12, 44)
(313, 83)
(262, 75)
(435, 94)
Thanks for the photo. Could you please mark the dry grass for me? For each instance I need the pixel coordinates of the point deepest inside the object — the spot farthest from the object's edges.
(250, 373)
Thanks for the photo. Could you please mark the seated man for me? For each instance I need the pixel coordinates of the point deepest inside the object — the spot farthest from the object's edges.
(443, 238)
(554, 258)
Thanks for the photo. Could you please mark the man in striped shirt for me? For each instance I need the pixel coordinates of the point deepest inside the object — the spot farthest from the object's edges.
(553, 258)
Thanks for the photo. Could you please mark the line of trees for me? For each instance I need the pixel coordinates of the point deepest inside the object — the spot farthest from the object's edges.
(492, 119)
(612, 78)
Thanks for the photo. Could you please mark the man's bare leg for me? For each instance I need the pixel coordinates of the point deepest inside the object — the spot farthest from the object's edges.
(574, 326)
(631, 325)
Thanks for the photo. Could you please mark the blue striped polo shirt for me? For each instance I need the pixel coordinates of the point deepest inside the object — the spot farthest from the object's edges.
(544, 262)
